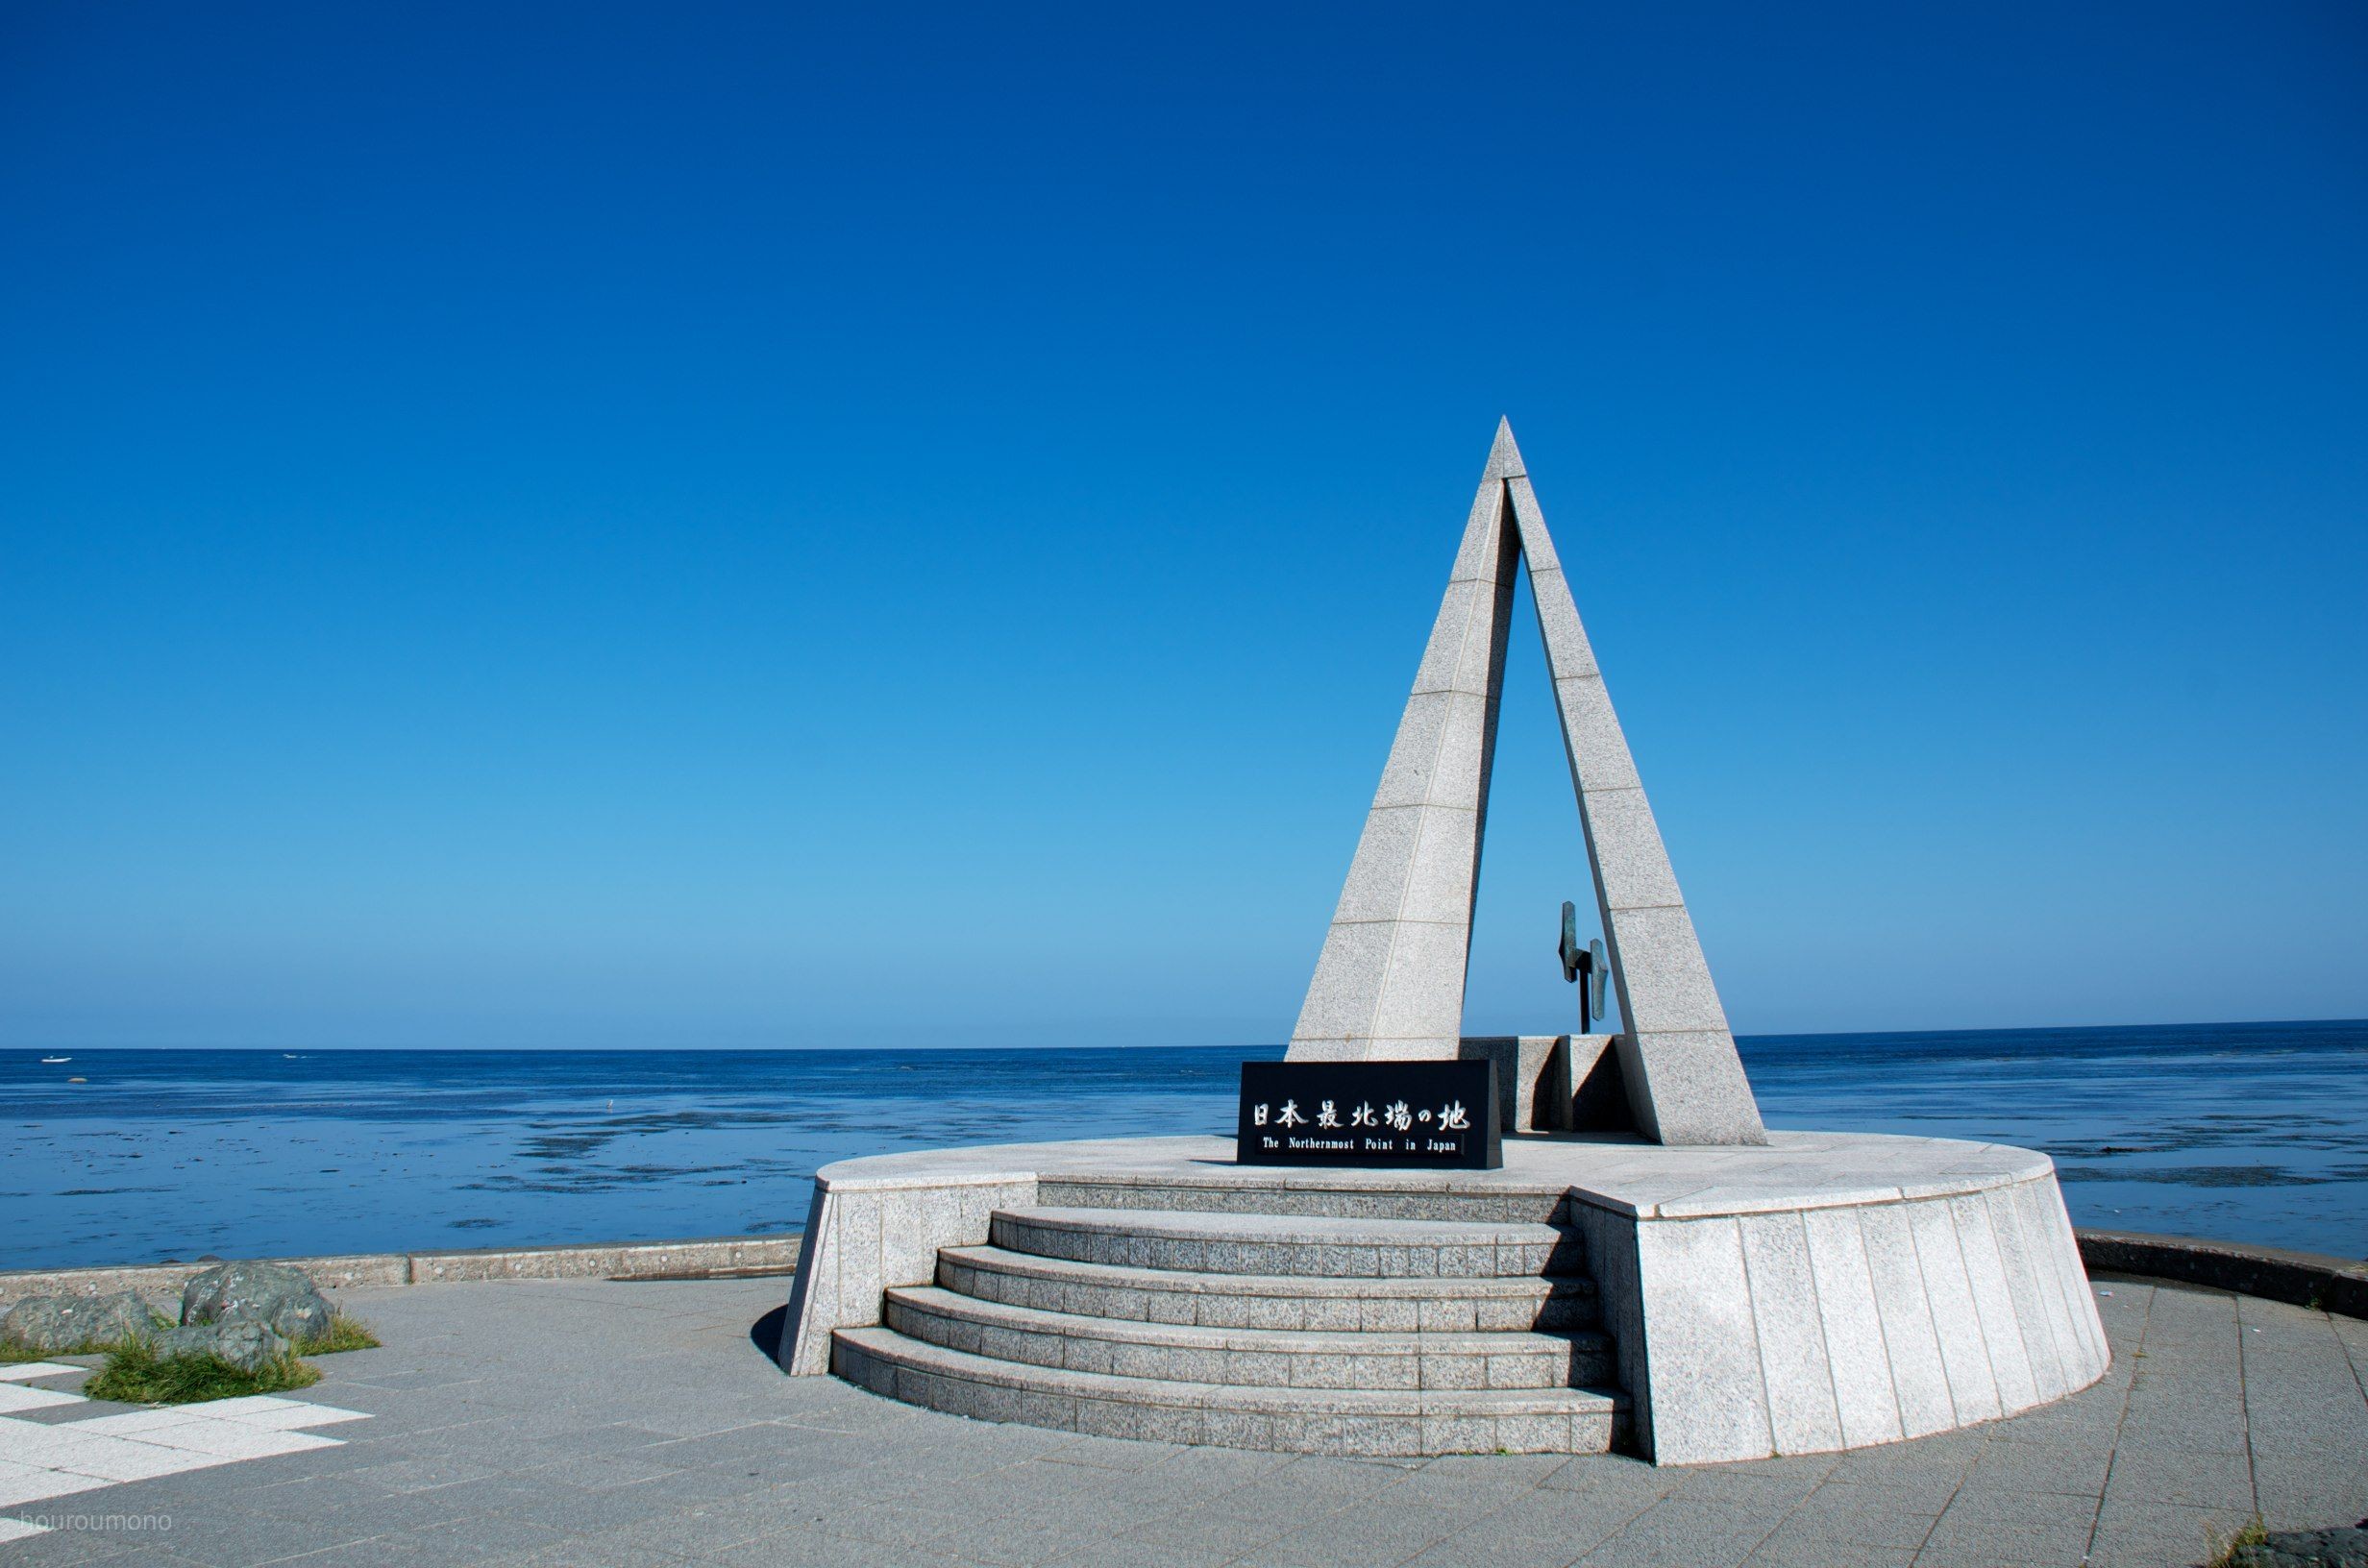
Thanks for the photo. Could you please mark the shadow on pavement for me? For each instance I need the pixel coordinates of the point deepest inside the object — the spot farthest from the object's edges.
(765, 1334)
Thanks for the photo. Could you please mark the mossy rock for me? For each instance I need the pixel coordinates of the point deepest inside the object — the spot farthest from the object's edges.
(69, 1325)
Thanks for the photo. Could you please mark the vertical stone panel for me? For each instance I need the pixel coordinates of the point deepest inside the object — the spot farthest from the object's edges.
(1709, 1396)
(814, 1293)
(1909, 1339)
(860, 1287)
(1994, 1305)
(1853, 1324)
(1803, 1417)
(1973, 1387)
(2039, 1306)
(912, 1221)
(2050, 1229)
(860, 1241)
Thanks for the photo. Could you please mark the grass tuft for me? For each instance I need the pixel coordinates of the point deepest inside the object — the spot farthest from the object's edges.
(2224, 1552)
(11, 1352)
(136, 1375)
(343, 1334)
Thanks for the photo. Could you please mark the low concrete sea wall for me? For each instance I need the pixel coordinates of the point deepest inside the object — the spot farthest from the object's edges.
(708, 1258)
(2304, 1279)
(2301, 1278)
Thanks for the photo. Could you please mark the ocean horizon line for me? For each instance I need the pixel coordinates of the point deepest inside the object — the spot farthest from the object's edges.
(1766, 1037)
(2247, 1128)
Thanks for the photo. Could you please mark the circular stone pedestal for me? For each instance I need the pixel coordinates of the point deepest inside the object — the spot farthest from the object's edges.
(1826, 1291)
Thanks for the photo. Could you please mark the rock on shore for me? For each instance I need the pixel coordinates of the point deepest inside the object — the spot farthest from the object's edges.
(2346, 1548)
(243, 1342)
(282, 1299)
(60, 1325)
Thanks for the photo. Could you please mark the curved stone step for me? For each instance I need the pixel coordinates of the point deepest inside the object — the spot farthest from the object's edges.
(1333, 1195)
(1261, 1301)
(1386, 1423)
(1249, 1358)
(1290, 1244)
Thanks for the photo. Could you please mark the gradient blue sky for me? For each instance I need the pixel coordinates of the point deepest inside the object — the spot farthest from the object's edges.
(728, 524)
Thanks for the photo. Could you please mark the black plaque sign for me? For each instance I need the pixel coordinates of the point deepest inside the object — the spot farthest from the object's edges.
(1402, 1114)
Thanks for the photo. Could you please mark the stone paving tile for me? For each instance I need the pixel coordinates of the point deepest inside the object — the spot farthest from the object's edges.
(594, 1552)
(1793, 1552)
(1200, 1531)
(604, 1472)
(1142, 1509)
(1584, 1519)
(2352, 1332)
(1679, 1529)
(1905, 1493)
(1490, 1549)
(415, 1475)
(1306, 1487)
(733, 1521)
(807, 1551)
(1614, 1480)
(984, 1446)
(1463, 1490)
(1113, 1454)
(2305, 1424)
(1012, 1543)
(2186, 1479)
(1970, 1508)
(684, 1490)
(480, 1539)
(752, 1442)
(685, 1534)
(2069, 1469)
(2144, 1551)
(886, 1524)
(232, 1540)
(1146, 1551)
(1353, 1539)
(2152, 1533)
(70, 1548)
(391, 1513)
(1981, 1541)
(689, 1451)
(613, 1438)
(324, 1497)
(571, 1509)
(1861, 1515)
(1206, 1468)
(1742, 1485)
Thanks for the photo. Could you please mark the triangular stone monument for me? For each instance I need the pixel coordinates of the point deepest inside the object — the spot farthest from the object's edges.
(1389, 983)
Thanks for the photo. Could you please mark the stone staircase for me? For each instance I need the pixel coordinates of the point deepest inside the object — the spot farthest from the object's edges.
(1289, 1316)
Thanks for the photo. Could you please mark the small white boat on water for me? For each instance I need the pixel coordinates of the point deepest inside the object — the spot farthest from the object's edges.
(53, 1061)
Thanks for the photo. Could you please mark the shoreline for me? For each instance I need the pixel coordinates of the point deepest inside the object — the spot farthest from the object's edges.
(700, 1257)
(2301, 1278)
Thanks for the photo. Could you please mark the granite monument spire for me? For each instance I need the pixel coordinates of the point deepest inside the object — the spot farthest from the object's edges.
(1390, 982)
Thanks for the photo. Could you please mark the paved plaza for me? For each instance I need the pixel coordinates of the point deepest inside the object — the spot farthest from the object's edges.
(592, 1423)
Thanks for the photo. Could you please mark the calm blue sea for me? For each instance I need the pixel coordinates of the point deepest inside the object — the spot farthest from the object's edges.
(2256, 1132)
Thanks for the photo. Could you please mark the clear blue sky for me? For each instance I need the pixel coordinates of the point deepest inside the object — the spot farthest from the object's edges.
(772, 525)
